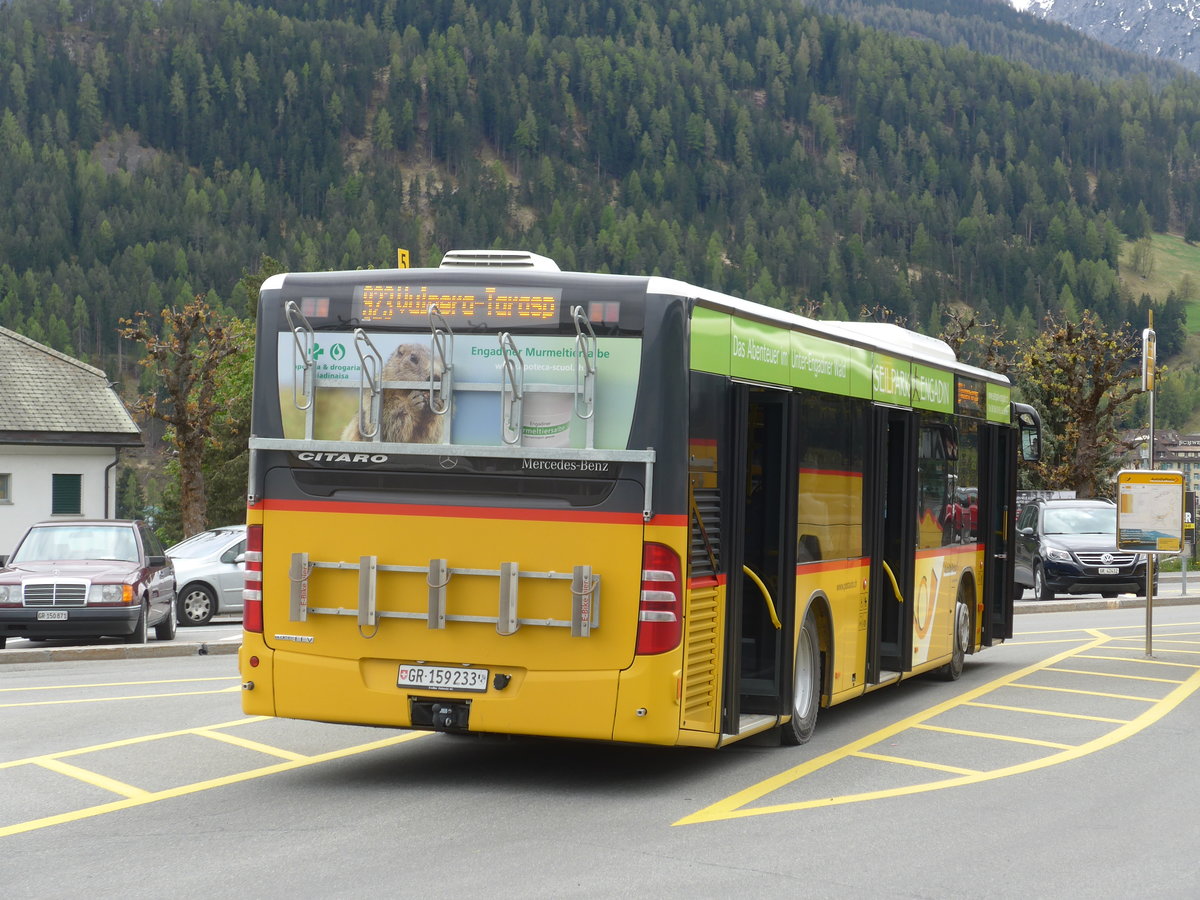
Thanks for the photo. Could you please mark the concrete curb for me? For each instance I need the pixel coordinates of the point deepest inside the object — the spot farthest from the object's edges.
(118, 651)
(1069, 604)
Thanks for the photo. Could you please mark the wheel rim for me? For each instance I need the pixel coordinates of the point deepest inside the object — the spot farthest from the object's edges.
(1038, 586)
(962, 623)
(804, 676)
(196, 606)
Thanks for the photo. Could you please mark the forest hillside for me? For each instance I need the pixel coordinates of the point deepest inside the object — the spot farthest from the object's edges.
(154, 151)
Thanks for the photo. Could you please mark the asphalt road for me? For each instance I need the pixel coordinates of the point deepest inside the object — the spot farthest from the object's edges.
(1060, 765)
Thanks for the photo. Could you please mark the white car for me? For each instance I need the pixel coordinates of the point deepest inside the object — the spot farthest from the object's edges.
(210, 569)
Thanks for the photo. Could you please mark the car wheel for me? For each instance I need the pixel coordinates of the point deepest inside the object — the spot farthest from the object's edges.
(3, 641)
(165, 630)
(1040, 589)
(806, 687)
(197, 603)
(962, 638)
(139, 630)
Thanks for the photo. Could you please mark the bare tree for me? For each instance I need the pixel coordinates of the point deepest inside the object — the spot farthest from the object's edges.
(1080, 377)
(185, 357)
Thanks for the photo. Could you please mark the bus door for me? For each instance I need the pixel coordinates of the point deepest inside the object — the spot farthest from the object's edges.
(997, 509)
(891, 518)
(762, 573)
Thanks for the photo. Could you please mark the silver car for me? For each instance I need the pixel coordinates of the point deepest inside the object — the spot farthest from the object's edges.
(210, 570)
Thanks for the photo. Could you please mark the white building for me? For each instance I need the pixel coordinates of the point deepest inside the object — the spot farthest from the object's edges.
(61, 429)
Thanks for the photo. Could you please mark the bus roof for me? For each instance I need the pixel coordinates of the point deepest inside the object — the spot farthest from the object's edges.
(885, 337)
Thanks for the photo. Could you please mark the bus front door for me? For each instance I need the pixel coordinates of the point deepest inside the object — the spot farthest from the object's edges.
(761, 577)
(997, 511)
(891, 518)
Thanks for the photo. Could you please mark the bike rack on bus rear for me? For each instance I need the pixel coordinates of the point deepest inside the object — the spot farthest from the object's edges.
(585, 594)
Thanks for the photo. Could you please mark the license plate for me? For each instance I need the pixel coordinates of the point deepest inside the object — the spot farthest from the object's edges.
(52, 615)
(1109, 570)
(443, 678)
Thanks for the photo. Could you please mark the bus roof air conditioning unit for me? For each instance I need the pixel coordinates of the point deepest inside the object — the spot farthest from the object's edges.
(502, 259)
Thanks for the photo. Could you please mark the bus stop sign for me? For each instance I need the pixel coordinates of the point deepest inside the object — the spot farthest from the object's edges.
(1150, 511)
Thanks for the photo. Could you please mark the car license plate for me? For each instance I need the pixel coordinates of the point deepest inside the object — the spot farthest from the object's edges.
(1109, 570)
(52, 615)
(443, 678)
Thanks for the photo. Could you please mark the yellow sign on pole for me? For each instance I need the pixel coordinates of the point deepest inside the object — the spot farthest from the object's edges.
(401, 258)
(1150, 511)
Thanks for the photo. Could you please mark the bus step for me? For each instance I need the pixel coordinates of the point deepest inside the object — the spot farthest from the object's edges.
(751, 724)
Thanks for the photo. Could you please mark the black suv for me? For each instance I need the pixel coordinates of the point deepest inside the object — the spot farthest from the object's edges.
(1070, 547)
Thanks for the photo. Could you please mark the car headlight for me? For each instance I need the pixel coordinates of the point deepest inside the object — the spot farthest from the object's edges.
(1057, 555)
(108, 593)
(6, 591)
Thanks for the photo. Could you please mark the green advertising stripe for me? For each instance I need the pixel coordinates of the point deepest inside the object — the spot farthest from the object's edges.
(725, 345)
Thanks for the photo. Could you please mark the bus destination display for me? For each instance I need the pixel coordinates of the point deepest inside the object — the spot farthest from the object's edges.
(408, 304)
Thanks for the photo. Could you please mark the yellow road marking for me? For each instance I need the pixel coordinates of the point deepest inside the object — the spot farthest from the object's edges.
(995, 737)
(1062, 690)
(114, 699)
(1116, 675)
(170, 793)
(738, 805)
(93, 778)
(1143, 660)
(882, 757)
(1048, 712)
(124, 742)
(248, 744)
(99, 684)
(1158, 646)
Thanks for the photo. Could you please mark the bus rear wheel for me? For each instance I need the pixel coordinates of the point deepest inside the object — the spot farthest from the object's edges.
(963, 633)
(806, 686)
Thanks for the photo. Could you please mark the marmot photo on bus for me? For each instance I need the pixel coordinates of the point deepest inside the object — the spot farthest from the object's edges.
(404, 415)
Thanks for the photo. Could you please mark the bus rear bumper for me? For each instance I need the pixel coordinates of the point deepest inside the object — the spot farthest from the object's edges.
(365, 692)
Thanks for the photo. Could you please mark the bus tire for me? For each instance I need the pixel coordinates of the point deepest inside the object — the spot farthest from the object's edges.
(806, 685)
(963, 632)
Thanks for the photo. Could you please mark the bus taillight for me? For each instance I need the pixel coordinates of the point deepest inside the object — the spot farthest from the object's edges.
(252, 614)
(660, 611)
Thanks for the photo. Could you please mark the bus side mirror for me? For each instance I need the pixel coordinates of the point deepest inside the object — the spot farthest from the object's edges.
(1029, 424)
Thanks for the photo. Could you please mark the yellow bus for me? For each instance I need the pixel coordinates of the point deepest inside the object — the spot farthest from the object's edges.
(499, 497)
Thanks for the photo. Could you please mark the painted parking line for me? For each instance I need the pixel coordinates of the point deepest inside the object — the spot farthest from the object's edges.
(132, 796)
(119, 698)
(1173, 669)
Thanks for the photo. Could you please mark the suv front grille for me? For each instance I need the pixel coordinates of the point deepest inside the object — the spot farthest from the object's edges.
(1114, 559)
(56, 594)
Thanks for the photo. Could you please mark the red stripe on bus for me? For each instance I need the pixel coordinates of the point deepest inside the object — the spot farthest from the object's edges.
(830, 565)
(465, 512)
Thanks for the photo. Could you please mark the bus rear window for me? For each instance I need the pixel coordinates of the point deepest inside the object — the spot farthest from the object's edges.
(476, 389)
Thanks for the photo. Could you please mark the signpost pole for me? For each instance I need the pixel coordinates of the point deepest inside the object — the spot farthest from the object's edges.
(1148, 362)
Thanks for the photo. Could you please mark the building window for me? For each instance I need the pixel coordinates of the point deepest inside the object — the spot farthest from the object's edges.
(66, 495)
(5, 487)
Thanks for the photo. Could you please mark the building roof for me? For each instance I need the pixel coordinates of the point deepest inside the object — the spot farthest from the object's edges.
(49, 397)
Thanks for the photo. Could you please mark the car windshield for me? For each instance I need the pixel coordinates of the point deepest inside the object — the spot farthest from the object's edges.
(202, 544)
(74, 542)
(1081, 520)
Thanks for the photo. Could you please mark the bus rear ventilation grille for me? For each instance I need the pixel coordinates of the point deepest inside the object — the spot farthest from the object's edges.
(506, 259)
